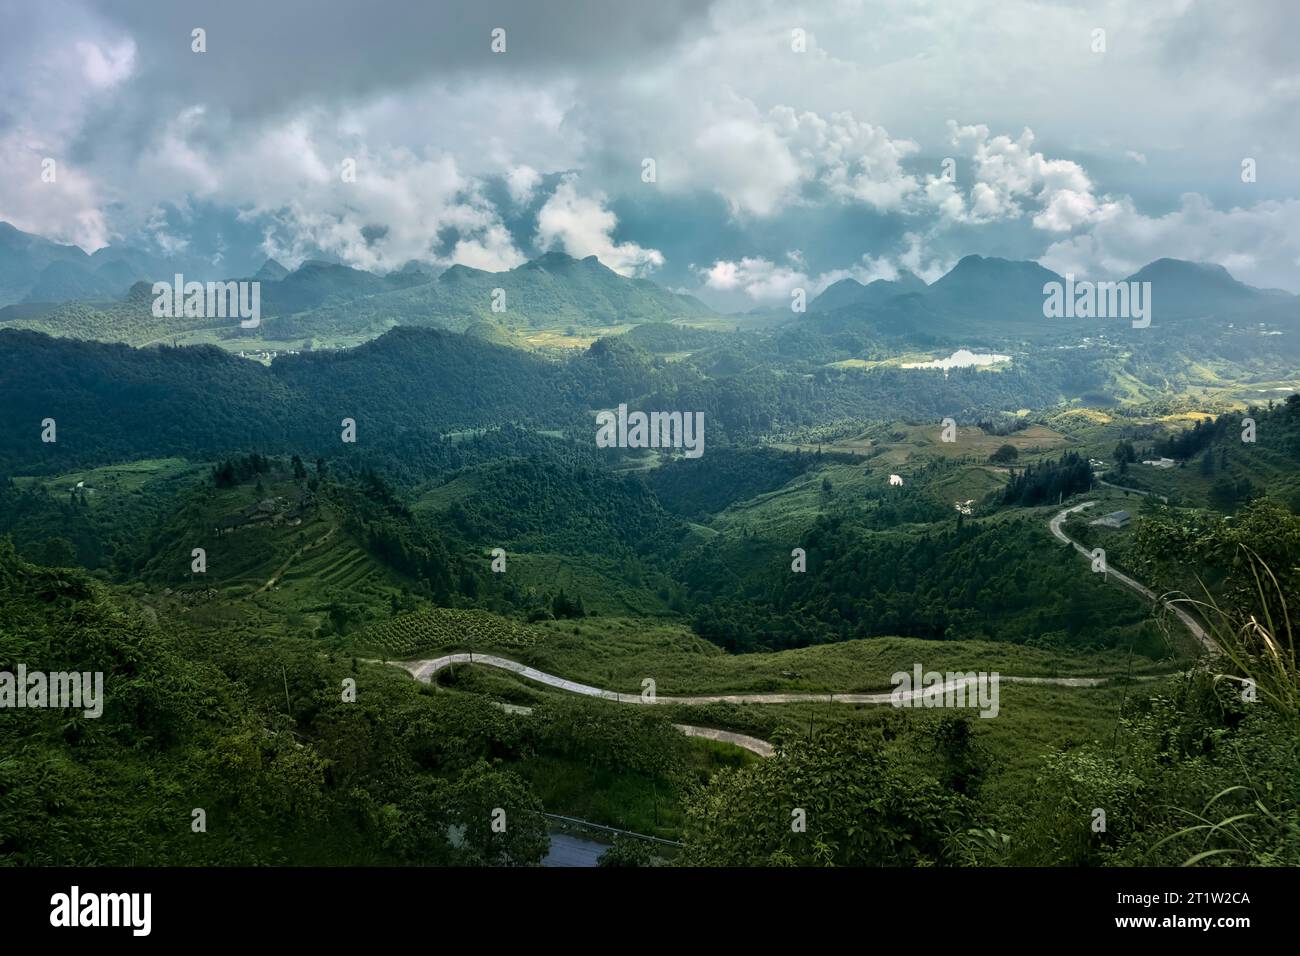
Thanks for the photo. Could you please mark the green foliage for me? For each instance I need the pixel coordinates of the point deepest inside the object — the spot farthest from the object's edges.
(498, 821)
(630, 739)
(1198, 777)
(627, 851)
(434, 628)
(1049, 482)
(697, 488)
(861, 807)
(999, 581)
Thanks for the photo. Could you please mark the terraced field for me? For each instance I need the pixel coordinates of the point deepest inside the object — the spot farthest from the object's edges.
(436, 627)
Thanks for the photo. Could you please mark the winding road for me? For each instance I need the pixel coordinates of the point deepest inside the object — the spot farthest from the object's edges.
(1135, 491)
(1193, 627)
(424, 670)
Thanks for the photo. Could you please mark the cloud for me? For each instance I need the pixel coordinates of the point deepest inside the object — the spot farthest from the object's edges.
(765, 146)
(855, 161)
(761, 162)
(1009, 175)
(521, 182)
(761, 281)
(1258, 244)
(758, 279)
(746, 161)
(56, 76)
(581, 226)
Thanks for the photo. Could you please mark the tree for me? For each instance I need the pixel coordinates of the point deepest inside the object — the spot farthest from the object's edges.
(496, 817)
(58, 552)
(1005, 453)
(840, 800)
(627, 851)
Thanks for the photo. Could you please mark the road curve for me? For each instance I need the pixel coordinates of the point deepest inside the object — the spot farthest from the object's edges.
(423, 670)
(754, 744)
(1192, 625)
(1136, 491)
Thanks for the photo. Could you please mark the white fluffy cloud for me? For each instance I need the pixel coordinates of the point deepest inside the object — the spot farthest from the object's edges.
(1256, 244)
(1009, 176)
(401, 204)
(581, 226)
(522, 181)
(763, 161)
(763, 282)
(758, 279)
(55, 78)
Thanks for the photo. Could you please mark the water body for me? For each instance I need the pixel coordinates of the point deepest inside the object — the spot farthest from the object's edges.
(962, 358)
(568, 850)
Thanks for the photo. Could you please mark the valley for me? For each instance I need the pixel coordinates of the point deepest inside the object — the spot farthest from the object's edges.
(873, 498)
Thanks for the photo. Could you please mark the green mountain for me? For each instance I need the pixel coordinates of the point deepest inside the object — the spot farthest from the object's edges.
(552, 291)
(1185, 290)
(997, 301)
(849, 292)
(324, 302)
(270, 271)
(113, 402)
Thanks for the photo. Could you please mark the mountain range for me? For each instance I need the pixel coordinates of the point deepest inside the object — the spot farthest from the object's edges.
(993, 298)
(62, 291)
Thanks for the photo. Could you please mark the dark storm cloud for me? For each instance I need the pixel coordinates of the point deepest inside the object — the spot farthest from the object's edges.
(773, 166)
(273, 56)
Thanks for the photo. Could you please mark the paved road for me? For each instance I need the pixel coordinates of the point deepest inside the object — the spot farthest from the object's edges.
(423, 670)
(752, 744)
(567, 850)
(1198, 632)
(1136, 491)
(760, 747)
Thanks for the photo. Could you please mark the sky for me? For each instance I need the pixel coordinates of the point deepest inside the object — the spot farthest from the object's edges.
(793, 144)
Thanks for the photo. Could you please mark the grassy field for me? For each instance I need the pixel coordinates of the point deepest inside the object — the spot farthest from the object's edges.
(594, 577)
(617, 654)
(1033, 722)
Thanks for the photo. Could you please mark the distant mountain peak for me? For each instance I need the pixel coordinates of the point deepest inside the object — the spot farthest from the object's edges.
(459, 271)
(561, 262)
(850, 292)
(271, 271)
(1183, 269)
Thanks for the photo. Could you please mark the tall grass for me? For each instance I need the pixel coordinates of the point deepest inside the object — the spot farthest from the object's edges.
(1256, 639)
(1257, 642)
